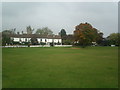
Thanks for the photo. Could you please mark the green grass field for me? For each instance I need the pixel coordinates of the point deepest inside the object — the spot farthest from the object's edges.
(91, 67)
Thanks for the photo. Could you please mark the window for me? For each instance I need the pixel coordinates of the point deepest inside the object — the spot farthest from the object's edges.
(26, 39)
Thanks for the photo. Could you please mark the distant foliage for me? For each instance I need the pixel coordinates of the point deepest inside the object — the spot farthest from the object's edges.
(114, 39)
(6, 40)
(68, 40)
(44, 31)
(7, 32)
(29, 30)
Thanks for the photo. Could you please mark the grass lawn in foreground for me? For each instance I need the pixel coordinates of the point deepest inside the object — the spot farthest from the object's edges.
(91, 67)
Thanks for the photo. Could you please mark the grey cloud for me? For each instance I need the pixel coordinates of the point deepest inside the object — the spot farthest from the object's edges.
(60, 15)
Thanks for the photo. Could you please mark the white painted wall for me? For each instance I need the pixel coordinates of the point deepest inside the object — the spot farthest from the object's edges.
(39, 40)
(22, 39)
(55, 40)
(49, 40)
(43, 40)
(16, 39)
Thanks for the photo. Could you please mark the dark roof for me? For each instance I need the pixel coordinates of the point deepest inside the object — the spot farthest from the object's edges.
(35, 36)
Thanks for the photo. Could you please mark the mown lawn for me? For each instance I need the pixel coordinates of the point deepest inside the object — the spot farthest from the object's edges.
(91, 67)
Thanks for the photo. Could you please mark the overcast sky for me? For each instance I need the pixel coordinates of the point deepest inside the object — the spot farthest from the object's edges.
(101, 15)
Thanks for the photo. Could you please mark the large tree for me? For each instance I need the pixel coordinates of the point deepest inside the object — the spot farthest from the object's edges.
(114, 39)
(85, 34)
(44, 31)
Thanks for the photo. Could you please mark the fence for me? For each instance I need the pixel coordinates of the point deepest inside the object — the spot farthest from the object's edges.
(10, 46)
(39, 45)
(26, 46)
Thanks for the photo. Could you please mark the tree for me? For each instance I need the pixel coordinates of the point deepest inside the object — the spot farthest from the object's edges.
(99, 38)
(18, 33)
(29, 30)
(85, 34)
(14, 31)
(8, 32)
(6, 37)
(67, 42)
(22, 32)
(44, 31)
(114, 39)
(62, 33)
(105, 42)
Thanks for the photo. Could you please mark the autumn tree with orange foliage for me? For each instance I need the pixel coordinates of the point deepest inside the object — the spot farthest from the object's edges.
(85, 34)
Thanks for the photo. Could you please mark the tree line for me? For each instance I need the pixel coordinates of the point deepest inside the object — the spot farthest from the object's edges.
(30, 30)
(83, 35)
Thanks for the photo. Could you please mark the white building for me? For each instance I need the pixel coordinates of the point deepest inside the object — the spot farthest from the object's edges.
(48, 39)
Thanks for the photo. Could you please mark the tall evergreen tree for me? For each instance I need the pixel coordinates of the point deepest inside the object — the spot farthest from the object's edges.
(62, 33)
